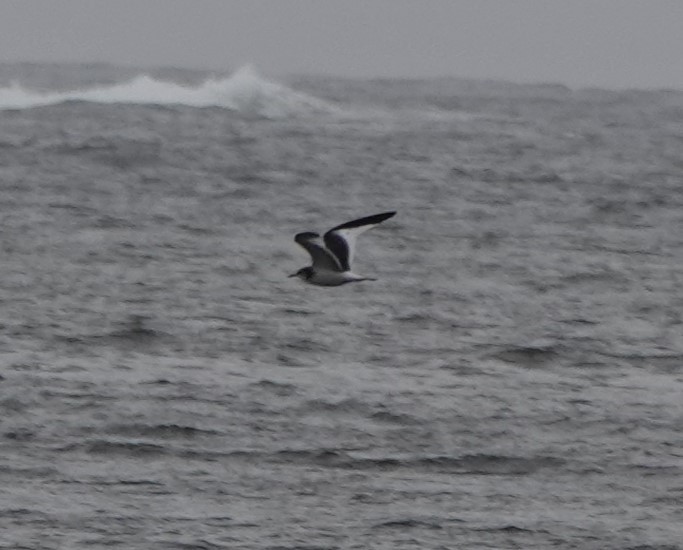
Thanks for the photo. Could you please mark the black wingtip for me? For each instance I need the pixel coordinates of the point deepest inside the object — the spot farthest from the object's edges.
(385, 215)
(368, 220)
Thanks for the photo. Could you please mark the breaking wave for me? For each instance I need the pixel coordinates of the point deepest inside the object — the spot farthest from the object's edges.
(244, 91)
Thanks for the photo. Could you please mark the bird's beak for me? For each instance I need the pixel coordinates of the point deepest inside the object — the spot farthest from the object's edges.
(292, 275)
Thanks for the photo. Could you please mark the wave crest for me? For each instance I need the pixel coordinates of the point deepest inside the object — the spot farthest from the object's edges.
(244, 91)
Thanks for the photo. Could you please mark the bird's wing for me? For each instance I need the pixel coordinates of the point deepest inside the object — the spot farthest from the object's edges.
(341, 240)
(322, 258)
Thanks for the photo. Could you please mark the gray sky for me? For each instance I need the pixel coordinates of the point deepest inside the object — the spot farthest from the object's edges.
(612, 43)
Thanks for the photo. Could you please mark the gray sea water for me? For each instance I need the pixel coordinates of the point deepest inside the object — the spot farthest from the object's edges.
(514, 379)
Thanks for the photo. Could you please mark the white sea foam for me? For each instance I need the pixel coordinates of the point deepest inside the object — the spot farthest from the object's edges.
(245, 91)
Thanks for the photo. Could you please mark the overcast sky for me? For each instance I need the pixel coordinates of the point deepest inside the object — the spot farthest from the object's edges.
(612, 43)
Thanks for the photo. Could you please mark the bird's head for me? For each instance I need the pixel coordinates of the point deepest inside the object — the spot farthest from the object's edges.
(305, 273)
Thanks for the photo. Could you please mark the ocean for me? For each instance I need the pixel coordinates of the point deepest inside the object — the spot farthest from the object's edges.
(513, 379)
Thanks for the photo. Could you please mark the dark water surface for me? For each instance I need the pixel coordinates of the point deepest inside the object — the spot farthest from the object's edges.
(514, 379)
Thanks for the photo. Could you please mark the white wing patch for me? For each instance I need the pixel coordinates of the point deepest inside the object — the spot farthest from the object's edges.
(341, 240)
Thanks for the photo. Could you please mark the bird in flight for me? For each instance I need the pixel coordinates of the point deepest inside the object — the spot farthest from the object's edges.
(332, 256)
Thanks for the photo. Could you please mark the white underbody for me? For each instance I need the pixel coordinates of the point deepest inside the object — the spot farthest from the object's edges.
(334, 278)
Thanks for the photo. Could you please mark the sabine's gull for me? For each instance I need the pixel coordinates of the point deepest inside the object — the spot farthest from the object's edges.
(333, 255)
